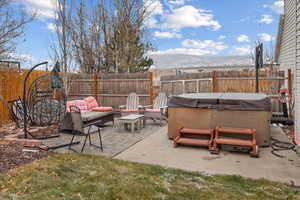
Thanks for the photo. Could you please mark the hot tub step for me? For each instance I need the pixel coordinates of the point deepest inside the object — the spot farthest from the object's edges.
(196, 131)
(192, 141)
(235, 141)
(202, 137)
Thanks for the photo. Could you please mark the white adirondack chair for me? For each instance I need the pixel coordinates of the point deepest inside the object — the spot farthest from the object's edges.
(132, 105)
(158, 110)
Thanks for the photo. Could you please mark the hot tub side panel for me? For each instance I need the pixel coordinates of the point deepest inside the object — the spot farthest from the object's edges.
(260, 120)
(188, 117)
(211, 118)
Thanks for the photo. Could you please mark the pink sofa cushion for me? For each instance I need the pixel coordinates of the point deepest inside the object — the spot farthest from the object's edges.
(91, 102)
(102, 109)
(153, 110)
(81, 104)
(130, 111)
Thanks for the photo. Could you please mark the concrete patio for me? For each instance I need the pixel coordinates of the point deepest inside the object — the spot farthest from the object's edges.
(115, 140)
(151, 145)
(157, 149)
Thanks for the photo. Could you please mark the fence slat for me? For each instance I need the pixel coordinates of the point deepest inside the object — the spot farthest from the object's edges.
(11, 84)
(269, 83)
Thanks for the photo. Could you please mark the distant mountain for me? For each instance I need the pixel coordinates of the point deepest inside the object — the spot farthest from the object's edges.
(168, 61)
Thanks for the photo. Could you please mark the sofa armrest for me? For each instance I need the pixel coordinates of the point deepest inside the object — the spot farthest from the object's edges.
(76, 108)
(148, 106)
(122, 107)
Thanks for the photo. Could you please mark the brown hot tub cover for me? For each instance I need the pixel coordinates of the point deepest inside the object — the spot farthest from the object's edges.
(223, 101)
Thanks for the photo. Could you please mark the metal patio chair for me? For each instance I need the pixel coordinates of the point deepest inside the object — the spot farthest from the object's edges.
(79, 126)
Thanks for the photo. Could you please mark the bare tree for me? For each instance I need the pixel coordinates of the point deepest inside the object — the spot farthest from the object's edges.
(108, 36)
(128, 43)
(62, 49)
(12, 23)
(87, 39)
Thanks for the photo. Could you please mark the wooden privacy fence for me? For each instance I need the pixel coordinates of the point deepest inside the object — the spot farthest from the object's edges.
(109, 89)
(112, 89)
(11, 84)
(244, 82)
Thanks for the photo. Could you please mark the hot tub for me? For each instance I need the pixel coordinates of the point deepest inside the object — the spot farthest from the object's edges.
(209, 110)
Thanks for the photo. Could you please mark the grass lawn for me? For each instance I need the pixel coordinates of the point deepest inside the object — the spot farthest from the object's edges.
(75, 176)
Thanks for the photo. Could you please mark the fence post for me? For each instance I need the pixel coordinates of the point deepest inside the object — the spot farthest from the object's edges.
(96, 86)
(151, 91)
(214, 82)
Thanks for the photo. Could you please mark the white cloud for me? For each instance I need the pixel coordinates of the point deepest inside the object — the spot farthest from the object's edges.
(24, 58)
(265, 37)
(196, 47)
(278, 6)
(51, 27)
(205, 44)
(154, 9)
(159, 34)
(266, 19)
(177, 2)
(243, 38)
(222, 37)
(44, 9)
(189, 16)
(151, 22)
(242, 50)
(186, 51)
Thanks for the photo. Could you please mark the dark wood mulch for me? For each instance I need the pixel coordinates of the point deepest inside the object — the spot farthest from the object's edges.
(12, 156)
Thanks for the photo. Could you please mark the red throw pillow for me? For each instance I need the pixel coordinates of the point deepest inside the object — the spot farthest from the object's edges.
(102, 109)
(82, 105)
(91, 102)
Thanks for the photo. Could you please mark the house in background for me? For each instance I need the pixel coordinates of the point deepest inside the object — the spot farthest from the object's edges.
(173, 64)
(287, 53)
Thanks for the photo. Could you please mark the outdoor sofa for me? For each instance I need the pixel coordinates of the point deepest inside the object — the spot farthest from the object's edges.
(90, 113)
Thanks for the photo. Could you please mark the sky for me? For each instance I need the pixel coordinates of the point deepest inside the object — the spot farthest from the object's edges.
(193, 27)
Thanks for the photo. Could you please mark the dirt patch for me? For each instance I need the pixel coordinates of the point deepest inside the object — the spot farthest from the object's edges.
(12, 156)
(41, 132)
(8, 128)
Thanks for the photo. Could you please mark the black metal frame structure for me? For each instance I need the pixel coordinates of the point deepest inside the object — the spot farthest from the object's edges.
(38, 95)
(79, 127)
(259, 60)
(28, 100)
(26, 132)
